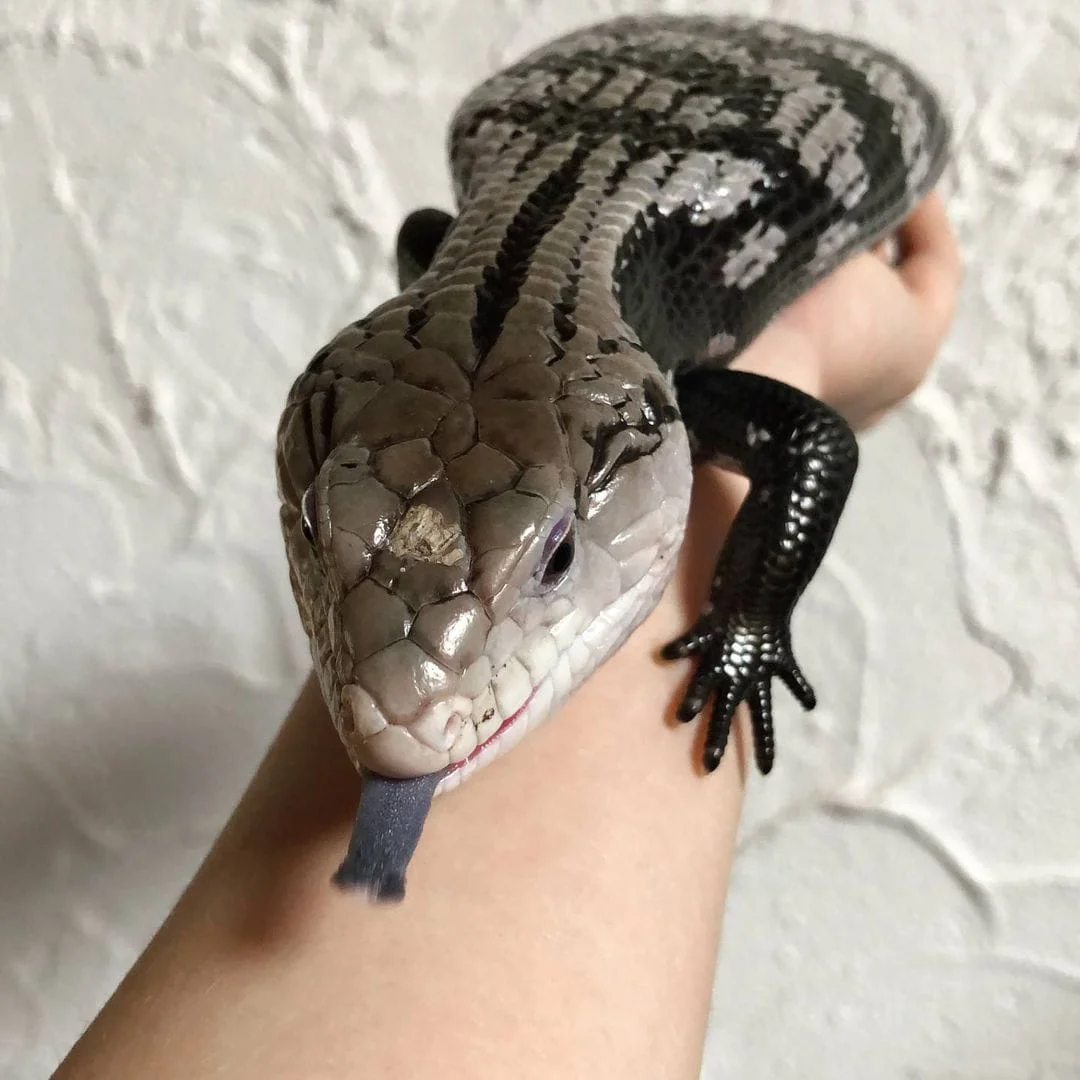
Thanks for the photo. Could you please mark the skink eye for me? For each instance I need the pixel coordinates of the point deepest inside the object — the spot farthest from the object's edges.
(308, 509)
(558, 554)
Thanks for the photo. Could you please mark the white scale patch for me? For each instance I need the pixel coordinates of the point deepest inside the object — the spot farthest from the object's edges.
(832, 240)
(718, 347)
(714, 186)
(755, 435)
(908, 116)
(797, 108)
(830, 140)
(659, 95)
(760, 248)
(699, 112)
(835, 138)
(619, 89)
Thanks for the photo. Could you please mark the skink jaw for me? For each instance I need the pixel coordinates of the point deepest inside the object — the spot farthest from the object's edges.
(488, 742)
(449, 733)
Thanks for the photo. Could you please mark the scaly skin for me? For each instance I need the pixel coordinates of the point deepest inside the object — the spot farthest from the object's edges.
(485, 480)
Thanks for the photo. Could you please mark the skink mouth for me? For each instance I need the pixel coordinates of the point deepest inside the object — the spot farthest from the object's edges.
(499, 731)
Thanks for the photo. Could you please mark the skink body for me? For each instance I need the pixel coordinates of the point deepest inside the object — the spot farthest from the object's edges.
(485, 480)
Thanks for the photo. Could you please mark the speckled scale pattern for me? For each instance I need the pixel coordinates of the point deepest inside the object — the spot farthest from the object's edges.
(768, 153)
(150, 228)
(636, 200)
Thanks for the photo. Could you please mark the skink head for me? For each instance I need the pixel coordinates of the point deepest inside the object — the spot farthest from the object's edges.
(460, 579)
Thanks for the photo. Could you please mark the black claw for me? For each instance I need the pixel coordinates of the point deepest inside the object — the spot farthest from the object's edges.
(677, 649)
(762, 716)
(687, 711)
(719, 730)
(764, 753)
(798, 684)
(697, 693)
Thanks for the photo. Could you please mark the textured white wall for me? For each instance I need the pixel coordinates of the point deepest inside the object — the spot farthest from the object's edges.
(195, 193)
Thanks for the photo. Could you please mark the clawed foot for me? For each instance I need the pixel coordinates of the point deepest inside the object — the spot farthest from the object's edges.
(738, 658)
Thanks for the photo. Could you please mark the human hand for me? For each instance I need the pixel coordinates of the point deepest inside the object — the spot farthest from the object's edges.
(864, 338)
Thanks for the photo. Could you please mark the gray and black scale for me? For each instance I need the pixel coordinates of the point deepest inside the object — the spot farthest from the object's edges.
(664, 186)
(766, 155)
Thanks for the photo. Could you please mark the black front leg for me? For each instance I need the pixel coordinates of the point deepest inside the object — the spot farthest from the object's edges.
(418, 240)
(800, 457)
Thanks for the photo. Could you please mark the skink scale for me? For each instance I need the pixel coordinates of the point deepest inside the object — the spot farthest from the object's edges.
(485, 481)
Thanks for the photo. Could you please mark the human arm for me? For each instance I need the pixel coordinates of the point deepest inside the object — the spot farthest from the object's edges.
(564, 906)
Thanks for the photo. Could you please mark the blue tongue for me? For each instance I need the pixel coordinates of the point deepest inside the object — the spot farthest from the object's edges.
(388, 824)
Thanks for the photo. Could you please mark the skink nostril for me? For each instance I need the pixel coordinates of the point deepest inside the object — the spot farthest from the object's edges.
(366, 716)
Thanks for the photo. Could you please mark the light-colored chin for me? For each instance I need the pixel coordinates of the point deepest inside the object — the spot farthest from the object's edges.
(494, 713)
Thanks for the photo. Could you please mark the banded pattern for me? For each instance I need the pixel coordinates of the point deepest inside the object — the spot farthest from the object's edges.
(636, 200)
(748, 158)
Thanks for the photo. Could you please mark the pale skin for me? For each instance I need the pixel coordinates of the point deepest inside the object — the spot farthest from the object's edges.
(564, 906)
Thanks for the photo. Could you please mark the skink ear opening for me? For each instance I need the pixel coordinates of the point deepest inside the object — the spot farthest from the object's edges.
(309, 515)
(418, 240)
(616, 447)
(640, 431)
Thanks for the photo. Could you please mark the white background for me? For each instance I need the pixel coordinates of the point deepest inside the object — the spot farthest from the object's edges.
(194, 194)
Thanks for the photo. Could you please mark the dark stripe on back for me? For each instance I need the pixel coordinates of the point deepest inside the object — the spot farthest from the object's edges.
(538, 213)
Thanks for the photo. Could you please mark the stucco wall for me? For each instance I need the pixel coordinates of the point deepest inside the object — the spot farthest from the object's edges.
(195, 193)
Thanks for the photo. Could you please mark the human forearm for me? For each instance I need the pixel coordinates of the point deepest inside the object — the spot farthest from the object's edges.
(561, 919)
(564, 905)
